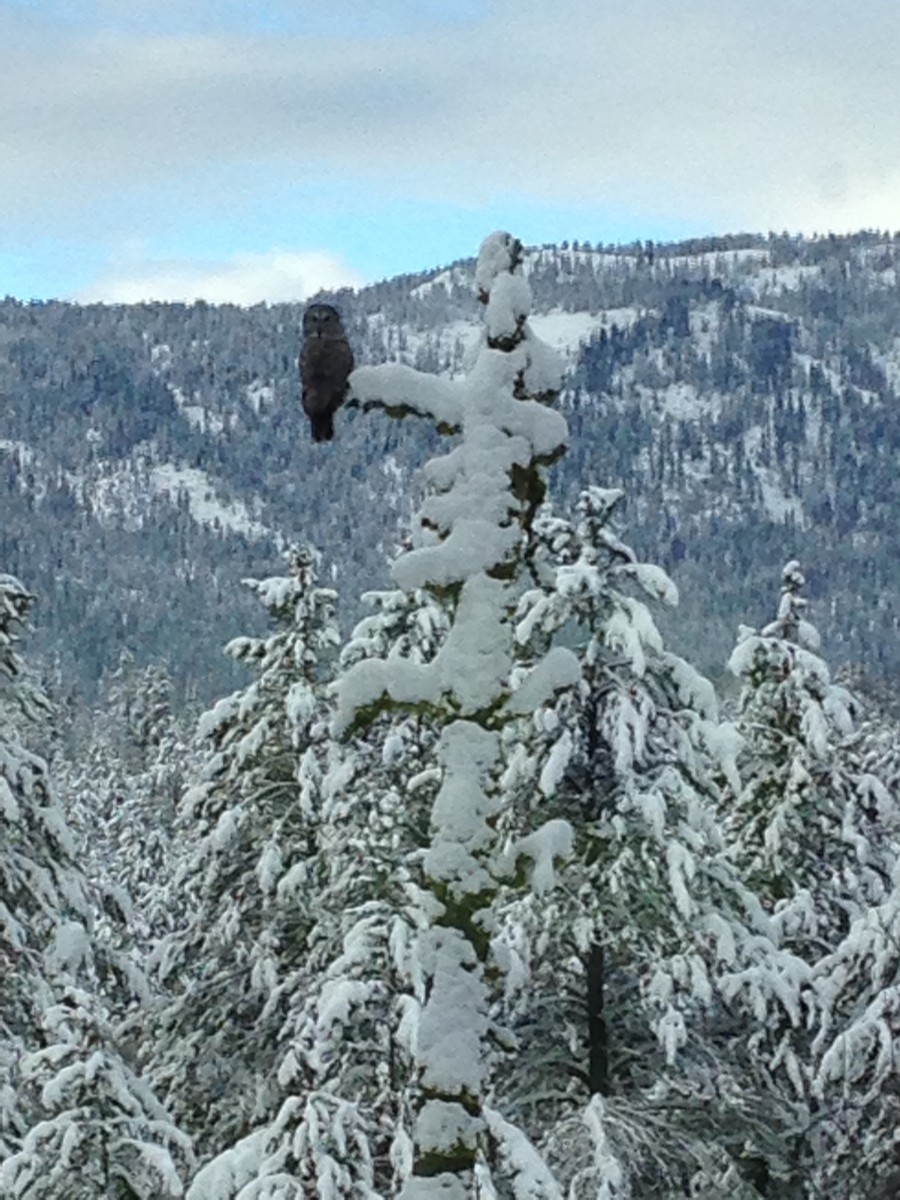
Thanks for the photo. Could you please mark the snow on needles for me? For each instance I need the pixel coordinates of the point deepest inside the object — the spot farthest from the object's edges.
(465, 551)
(401, 389)
(553, 841)
(495, 257)
(469, 522)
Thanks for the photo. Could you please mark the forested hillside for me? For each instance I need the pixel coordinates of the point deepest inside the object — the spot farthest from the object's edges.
(742, 390)
(485, 895)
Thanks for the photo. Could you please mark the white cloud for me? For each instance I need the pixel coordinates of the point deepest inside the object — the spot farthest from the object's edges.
(730, 113)
(245, 279)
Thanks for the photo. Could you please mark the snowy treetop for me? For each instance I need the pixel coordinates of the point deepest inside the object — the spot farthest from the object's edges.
(499, 254)
(15, 603)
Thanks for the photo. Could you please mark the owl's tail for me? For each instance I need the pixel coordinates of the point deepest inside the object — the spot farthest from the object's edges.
(322, 426)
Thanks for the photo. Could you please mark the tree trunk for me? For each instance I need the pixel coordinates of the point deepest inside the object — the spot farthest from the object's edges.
(598, 1034)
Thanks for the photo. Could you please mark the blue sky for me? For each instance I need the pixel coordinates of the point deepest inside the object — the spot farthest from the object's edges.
(247, 151)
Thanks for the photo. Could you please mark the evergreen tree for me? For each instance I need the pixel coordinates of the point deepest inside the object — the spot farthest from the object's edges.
(343, 1125)
(811, 828)
(39, 883)
(247, 887)
(468, 552)
(857, 1000)
(98, 1130)
(120, 793)
(854, 1054)
(74, 1120)
(801, 827)
(627, 970)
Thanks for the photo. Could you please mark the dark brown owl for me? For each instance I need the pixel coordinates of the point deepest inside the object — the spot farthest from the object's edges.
(326, 361)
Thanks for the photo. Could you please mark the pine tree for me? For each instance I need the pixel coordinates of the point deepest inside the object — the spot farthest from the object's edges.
(342, 1127)
(854, 1056)
(801, 826)
(38, 879)
(811, 830)
(98, 1130)
(75, 1122)
(247, 885)
(120, 793)
(469, 553)
(627, 971)
(857, 1005)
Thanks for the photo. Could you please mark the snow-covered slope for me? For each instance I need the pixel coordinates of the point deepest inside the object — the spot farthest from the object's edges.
(743, 391)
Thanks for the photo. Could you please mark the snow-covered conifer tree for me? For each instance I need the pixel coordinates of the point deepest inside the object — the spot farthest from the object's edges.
(246, 886)
(802, 827)
(622, 970)
(468, 551)
(38, 878)
(342, 1127)
(120, 795)
(854, 1056)
(857, 1004)
(75, 1122)
(97, 1130)
(811, 828)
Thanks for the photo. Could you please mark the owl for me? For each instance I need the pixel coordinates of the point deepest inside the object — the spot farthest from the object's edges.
(326, 361)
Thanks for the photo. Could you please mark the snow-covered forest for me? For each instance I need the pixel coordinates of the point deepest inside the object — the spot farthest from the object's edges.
(743, 392)
(471, 883)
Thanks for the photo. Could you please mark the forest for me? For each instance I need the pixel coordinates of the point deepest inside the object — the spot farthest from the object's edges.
(741, 391)
(511, 859)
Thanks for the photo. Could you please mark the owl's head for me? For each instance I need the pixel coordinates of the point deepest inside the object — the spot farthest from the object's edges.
(322, 320)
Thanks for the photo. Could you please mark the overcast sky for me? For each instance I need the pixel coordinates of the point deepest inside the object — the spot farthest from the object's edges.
(240, 150)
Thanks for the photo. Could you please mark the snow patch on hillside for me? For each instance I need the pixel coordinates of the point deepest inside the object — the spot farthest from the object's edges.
(622, 318)
(25, 452)
(260, 395)
(566, 332)
(197, 416)
(444, 279)
(704, 322)
(759, 312)
(160, 356)
(682, 401)
(719, 260)
(786, 278)
(448, 349)
(568, 261)
(117, 493)
(780, 505)
(889, 363)
(206, 509)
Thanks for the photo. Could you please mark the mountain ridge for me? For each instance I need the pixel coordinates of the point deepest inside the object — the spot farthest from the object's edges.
(741, 390)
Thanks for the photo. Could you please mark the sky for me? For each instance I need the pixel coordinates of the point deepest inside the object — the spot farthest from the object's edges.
(259, 150)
